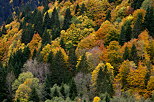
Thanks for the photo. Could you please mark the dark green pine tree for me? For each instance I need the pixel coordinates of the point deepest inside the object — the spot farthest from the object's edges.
(27, 34)
(138, 26)
(46, 37)
(126, 33)
(67, 19)
(136, 4)
(17, 61)
(104, 84)
(149, 20)
(133, 54)
(34, 97)
(83, 65)
(59, 70)
(34, 54)
(108, 15)
(126, 54)
(3, 88)
(110, 1)
(73, 89)
(72, 60)
(50, 57)
(62, 43)
(47, 21)
(38, 23)
(82, 9)
(55, 24)
(26, 54)
(48, 85)
(77, 9)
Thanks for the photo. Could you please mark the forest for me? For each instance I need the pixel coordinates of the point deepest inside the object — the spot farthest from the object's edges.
(76, 50)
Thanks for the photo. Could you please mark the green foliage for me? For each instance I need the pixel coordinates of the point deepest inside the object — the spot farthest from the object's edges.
(126, 32)
(149, 20)
(104, 82)
(83, 65)
(17, 61)
(133, 54)
(55, 24)
(126, 54)
(67, 19)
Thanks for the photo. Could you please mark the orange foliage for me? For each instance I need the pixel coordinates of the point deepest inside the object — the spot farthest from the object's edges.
(35, 43)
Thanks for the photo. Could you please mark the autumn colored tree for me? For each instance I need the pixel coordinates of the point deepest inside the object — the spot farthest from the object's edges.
(35, 43)
(124, 70)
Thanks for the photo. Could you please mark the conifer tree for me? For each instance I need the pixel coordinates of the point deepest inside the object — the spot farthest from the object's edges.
(38, 23)
(47, 21)
(104, 84)
(28, 32)
(50, 57)
(133, 54)
(77, 9)
(138, 22)
(34, 96)
(72, 60)
(46, 37)
(149, 20)
(126, 53)
(3, 92)
(126, 32)
(67, 19)
(83, 65)
(73, 89)
(82, 9)
(136, 4)
(55, 24)
(59, 71)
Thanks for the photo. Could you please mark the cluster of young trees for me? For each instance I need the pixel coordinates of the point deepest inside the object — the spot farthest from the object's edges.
(79, 51)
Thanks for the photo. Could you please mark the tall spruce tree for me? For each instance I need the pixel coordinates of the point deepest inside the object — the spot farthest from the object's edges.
(149, 20)
(47, 21)
(46, 37)
(67, 19)
(126, 54)
(126, 32)
(133, 54)
(17, 61)
(55, 24)
(138, 26)
(83, 65)
(136, 4)
(3, 89)
(59, 70)
(38, 23)
(104, 84)
(72, 60)
(27, 34)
